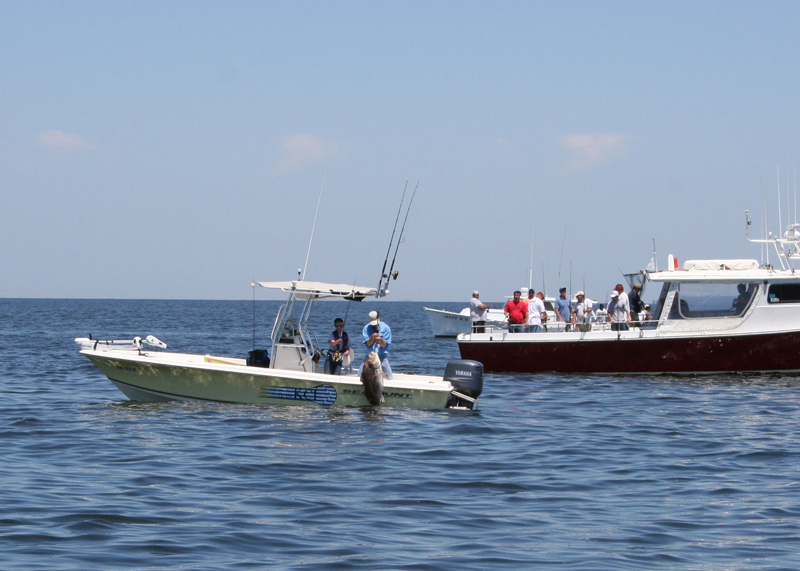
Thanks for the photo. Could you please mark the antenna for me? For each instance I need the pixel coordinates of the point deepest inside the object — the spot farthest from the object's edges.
(764, 225)
(314, 227)
(543, 288)
(558, 285)
(655, 255)
(530, 274)
(780, 213)
(570, 281)
(253, 285)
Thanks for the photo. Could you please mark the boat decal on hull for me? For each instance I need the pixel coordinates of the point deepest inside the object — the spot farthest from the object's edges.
(324, 395)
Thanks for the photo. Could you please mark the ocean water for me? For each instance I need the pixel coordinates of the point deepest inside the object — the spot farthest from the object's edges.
(551, 472)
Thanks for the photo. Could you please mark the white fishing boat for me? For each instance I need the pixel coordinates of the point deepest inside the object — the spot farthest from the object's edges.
(449, 323)
(712, 316)
(446, 323)
(292, 372)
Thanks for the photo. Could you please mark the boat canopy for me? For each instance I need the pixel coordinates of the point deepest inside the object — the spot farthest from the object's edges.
(317, 290)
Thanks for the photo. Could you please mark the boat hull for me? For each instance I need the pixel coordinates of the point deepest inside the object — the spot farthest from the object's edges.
(164, 376)
(635, 354)
(450, 324)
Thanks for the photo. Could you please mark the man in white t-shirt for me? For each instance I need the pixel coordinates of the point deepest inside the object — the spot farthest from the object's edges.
(477, 313)
(582, 313)
(536, 311)
(620, 313)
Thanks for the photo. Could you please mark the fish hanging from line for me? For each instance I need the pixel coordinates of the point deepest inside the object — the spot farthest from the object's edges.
(372, 377)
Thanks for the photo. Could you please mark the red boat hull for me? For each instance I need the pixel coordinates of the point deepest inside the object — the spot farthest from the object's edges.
(773, 352)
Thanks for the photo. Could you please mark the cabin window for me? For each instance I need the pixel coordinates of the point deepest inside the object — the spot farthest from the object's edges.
(784, 293)
(701, 300)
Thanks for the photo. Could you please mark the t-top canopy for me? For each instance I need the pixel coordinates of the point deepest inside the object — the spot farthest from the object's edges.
(309, 290)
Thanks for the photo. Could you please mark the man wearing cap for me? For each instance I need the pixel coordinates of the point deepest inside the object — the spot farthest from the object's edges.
(637, 305)
(378, 337)
(477, 313)
(619, 310)
(562, 307)
(582, 314)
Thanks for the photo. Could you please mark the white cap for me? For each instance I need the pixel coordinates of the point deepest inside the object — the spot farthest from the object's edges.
(476, 292)
(373, 318)
(614, 293)
(579, 293)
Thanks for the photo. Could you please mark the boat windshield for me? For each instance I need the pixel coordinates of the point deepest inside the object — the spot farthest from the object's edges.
(703, 300)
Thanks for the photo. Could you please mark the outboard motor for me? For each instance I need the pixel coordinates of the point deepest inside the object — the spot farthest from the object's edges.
(467, 379)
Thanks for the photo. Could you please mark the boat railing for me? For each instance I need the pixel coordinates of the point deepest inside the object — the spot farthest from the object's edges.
(560, 327)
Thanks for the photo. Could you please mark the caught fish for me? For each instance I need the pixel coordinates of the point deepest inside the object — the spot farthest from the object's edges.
(372, 379)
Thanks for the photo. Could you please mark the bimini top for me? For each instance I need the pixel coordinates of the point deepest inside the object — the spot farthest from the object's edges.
(317, 290)
(722, 271)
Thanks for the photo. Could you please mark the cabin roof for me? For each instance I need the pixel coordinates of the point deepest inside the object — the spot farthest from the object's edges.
(732, 271)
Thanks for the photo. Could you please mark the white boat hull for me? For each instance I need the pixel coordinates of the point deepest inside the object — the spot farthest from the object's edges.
(162, 376)
(451, 324)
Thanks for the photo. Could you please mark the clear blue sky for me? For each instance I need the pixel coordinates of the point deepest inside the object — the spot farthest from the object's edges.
(177, 149)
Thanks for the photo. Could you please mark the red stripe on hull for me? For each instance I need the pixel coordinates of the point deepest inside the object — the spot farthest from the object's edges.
(741, 353)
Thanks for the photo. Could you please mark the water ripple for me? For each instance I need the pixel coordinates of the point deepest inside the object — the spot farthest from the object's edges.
(552, 472)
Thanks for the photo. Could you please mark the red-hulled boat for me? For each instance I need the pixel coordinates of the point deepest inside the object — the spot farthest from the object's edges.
(712, 316)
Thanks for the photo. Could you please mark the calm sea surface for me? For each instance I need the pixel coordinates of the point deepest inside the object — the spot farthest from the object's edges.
(552, 472)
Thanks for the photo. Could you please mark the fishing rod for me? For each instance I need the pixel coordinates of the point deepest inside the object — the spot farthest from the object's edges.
(348, 304)
(400, 237)
(391, 240)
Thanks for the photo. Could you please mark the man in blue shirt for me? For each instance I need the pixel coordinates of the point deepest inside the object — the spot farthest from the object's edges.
(562, 306)
(378, 337)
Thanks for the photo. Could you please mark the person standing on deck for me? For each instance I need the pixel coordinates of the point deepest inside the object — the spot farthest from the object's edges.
(477, 313)
(536, 312)
(563, 309)
(516, 312)
(635, 299)
(620, 313)
(582, 314)
(378, 337)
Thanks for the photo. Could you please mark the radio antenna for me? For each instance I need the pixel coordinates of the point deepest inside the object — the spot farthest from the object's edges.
(314, 227)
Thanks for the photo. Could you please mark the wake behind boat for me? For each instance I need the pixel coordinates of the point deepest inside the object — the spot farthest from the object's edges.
(292, 372)
(712, 316)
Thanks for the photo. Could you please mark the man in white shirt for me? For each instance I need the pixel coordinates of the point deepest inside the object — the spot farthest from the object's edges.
(582, 313)
(536, 311)
(477, 313)
(620, 314)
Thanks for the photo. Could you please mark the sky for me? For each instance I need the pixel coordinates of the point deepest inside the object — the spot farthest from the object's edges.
(179, 150)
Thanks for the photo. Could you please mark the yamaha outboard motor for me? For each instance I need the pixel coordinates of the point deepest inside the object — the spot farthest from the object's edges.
(467, 380)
